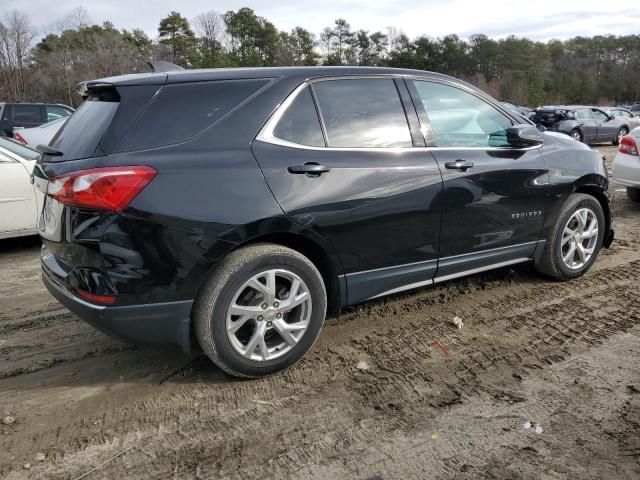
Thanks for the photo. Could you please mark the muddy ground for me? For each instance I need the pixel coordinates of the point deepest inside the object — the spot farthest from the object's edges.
(391, 390)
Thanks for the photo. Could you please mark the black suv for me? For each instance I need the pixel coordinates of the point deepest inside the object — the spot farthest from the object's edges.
(29, 115)
(244, 204)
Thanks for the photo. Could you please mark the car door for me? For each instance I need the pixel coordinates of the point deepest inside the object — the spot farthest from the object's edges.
(587, 123)
(494, 195)
(339, 157)
(608, 127)
(18, 210)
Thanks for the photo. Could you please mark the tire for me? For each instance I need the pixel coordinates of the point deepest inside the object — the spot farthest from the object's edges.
(576, 135)
(621, 133)
(551, 262)
(229, 284)
(633, 194)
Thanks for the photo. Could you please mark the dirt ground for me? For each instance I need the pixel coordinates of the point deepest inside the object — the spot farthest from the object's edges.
(391, 390)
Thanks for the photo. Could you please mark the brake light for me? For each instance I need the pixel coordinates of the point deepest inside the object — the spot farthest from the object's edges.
(109, 188)
(92, 297)
(628, 145)
(19, 138)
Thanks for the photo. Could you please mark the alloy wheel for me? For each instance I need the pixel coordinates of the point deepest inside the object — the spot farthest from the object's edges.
(579, 238)
(269, 315)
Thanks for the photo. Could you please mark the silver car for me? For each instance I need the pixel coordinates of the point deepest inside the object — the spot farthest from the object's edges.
(625, 115)
(626, 165)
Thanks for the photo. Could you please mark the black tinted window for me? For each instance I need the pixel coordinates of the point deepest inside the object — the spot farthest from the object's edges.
(80, 135)
(362, 113)
(27, 114)
(460, 119)
(181, 111)
(300, 123)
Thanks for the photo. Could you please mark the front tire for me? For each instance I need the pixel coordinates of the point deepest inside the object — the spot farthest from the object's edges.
(575, 239)
(576, 135)
(260, 311)
(621, 133)
(633, 194)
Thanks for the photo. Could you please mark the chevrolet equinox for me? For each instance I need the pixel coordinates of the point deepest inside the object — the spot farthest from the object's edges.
(244, 205)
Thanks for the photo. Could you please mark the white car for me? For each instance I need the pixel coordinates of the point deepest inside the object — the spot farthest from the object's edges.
(20, 201)
(626, 165)
(40, 135)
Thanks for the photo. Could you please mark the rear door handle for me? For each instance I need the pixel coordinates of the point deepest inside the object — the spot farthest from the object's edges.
(310, 168)
(460, 165)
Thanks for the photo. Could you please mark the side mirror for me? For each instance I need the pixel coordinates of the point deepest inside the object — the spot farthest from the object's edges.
(523, 136)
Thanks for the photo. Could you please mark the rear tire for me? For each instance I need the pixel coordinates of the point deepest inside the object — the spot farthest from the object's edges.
(558, 259)
(621, 133)
(242, 317)
(633, 194)
(576, 135)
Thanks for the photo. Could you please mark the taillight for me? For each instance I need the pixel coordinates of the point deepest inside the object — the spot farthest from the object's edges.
(109, 188)
(19, 138)
(92, 297)
(628, 145)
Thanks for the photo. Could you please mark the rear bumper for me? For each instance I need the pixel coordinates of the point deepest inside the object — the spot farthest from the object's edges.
(626, 170)
(155, 323)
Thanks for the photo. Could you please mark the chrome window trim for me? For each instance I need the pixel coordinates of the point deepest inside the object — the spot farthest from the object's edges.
(266, 134)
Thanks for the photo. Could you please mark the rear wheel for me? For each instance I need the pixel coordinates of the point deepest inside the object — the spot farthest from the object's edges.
(633, 194)
(575, 239)
(260, 311)
(576, 135)
(621, 133)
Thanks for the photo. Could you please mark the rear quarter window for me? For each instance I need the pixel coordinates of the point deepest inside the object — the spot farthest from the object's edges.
(184, 110)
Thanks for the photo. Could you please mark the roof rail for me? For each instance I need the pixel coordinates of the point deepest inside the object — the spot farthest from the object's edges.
(163, 66)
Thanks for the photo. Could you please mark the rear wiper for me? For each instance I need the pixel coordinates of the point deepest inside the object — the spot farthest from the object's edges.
(48, 150)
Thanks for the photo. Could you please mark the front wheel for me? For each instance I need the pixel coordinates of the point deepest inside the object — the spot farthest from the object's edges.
(260, 311)
(576, 135)
(633, 194)
(621, 133)
(575, 240)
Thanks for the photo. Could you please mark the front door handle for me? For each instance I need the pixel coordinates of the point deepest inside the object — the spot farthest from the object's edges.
(460, 165)
(311, 169)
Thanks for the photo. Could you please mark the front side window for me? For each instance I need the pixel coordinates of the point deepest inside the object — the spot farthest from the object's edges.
(362, 113)
(599, 115)
(583, 114)
(621, 113)
(55, 112)
(460, 119)
(300, 123)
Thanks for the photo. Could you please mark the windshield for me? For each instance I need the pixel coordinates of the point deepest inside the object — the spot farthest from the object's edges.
(19, 149)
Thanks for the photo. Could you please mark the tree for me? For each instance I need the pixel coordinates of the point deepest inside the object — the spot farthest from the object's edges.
(16, 39)
(252, 39)
(175, 32)
(211, 32)
(296, 48)
(339, 44)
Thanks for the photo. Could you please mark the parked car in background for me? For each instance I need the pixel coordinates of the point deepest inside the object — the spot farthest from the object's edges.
(274, 195)
(633, 120)
(635, 108)
(20, 201)
(626, 164)
(583, 123)
(29, 115)
(41, 135)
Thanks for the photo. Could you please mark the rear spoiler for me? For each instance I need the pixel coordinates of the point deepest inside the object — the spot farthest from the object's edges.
(162, 66)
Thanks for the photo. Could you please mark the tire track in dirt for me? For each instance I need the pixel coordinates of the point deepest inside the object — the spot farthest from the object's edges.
(212, 427)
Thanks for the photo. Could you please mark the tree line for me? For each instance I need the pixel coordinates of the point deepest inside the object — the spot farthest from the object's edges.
(599, 69)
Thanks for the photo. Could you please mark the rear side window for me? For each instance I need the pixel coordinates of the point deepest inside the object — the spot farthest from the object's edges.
(80, 135)
(460, 119)
(27, 114)
(300, 123)
(362, 113)
(185, 110)
(55, 112)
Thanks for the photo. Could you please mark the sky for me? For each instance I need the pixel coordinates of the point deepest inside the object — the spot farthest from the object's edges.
(534, 19)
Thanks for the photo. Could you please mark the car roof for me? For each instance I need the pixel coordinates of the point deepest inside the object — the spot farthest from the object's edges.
(180, 76)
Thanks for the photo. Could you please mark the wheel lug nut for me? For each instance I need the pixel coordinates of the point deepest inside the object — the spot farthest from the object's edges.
(268, 324)
(275, 304)
(264, 306)
(259, 318)
(278, 315)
